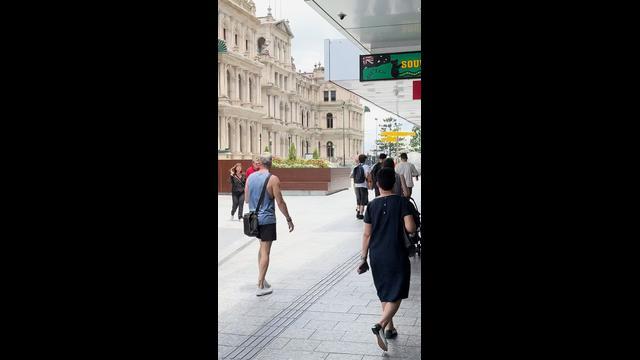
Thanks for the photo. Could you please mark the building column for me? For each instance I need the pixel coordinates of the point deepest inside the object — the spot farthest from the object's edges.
(245, 80)
(259, 89)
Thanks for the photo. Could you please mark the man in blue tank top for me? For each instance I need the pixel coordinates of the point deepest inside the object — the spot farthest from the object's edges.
(266, 215)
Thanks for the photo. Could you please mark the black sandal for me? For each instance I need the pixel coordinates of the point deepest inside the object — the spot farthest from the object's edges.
(382, 343)
(390, 334)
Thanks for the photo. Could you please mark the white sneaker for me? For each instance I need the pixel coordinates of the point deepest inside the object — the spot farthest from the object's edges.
(264, 291)
(231, 218)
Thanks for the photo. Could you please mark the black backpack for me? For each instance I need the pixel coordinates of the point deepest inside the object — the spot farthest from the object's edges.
(358, 175)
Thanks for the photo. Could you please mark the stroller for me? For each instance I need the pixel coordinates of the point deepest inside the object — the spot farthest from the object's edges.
(416, 239)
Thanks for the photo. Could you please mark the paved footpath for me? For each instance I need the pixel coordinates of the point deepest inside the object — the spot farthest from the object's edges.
(320, 308)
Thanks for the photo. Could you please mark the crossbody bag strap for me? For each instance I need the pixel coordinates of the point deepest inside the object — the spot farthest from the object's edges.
(264, 189)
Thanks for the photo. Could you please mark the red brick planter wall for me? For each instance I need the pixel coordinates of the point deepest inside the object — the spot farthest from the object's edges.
(327, 180)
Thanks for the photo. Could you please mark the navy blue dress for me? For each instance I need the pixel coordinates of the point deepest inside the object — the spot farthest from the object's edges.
(388, 257)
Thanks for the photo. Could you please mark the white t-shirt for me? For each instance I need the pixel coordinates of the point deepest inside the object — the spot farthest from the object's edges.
(367, 170)
(406, 170)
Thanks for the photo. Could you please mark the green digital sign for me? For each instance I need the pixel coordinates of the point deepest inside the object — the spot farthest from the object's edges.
(392, 66)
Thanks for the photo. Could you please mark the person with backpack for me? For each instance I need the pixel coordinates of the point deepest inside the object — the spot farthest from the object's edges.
(374, 171)
(359, 175)
(386, 222)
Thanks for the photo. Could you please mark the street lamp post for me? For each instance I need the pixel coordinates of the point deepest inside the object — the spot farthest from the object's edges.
(344, 146)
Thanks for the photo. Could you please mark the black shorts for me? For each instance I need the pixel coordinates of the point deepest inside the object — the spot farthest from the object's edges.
(362, 196)
(267, 232)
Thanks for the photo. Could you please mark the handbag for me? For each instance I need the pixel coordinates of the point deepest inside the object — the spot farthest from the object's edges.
(250, 219)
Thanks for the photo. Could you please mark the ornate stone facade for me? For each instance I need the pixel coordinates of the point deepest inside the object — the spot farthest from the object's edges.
(263, 102)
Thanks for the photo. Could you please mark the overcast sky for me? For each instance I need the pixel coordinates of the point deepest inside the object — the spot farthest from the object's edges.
(307, 48)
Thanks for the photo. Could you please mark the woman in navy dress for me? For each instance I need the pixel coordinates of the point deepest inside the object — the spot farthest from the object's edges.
(386, 219)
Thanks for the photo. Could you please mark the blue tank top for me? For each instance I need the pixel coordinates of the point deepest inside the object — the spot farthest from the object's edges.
(267, 211)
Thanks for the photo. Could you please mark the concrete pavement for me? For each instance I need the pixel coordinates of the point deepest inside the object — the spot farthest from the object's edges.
(320, 308)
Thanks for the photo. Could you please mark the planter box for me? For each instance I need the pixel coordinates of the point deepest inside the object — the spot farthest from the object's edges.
(294, 181)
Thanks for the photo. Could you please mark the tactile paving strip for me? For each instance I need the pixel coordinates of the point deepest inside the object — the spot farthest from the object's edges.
(262, 337)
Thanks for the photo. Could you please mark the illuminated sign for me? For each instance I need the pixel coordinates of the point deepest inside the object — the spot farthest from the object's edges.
(392, 66)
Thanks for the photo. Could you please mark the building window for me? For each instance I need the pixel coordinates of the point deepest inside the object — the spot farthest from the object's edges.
(236, 39)
(224, 36)
(285, 82)
(261, 45)
(250, 90)
(329, 149)
(333, 95)
(329, 121)
(240, 87)
(228, 84)
(246, 45)
(326, 96)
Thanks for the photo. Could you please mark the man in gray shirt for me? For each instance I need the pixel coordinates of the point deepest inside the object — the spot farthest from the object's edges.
(407, 170)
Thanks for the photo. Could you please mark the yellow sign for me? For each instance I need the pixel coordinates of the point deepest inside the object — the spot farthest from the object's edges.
(389, 139)
(398, 133)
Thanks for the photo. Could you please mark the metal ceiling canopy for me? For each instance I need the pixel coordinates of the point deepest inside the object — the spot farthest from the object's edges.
(375, 26)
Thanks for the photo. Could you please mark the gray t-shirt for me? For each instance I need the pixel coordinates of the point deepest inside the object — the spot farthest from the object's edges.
(407, 171)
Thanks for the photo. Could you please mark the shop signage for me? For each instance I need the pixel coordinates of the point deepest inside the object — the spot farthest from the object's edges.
(392, 66)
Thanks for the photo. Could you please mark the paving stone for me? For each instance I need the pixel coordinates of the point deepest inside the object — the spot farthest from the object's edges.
(300, 323)
(362, 336)
(278, 343)
(318, 315)
(352, 326)
(404, 352)
(321, 324)
(296, 333)
(225, 350)
(240, 329)
(334, 356)
(231, 339)
(339, 308)
(304, 345)
(328, 335)
(344, 347)
(275, 354)
(413, 340)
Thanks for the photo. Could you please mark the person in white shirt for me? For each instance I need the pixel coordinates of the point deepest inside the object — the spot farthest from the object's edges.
(359, 175)
(407, 170)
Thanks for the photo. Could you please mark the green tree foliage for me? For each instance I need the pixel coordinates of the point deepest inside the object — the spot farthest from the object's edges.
(416, 141)
(266, 149)
(292, 152)
(316, 155)
(388, 124)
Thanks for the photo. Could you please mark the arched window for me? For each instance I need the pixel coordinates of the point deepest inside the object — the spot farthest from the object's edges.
(240, 87)
(302, 116)
(228, 84)
(329, 121)
(261, 42)
(229, 138)
(241, 148)
(250, 90)
(329, 149)
(307, 119)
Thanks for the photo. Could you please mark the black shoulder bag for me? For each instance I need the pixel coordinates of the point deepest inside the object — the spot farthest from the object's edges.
(251, 218)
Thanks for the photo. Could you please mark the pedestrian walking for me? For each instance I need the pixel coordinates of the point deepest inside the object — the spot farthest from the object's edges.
(374, 171)
(399, 187)
(255, 164)
(407, 171)
(359, 175)
(385, 222)
(237, 180)
(266, 215)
